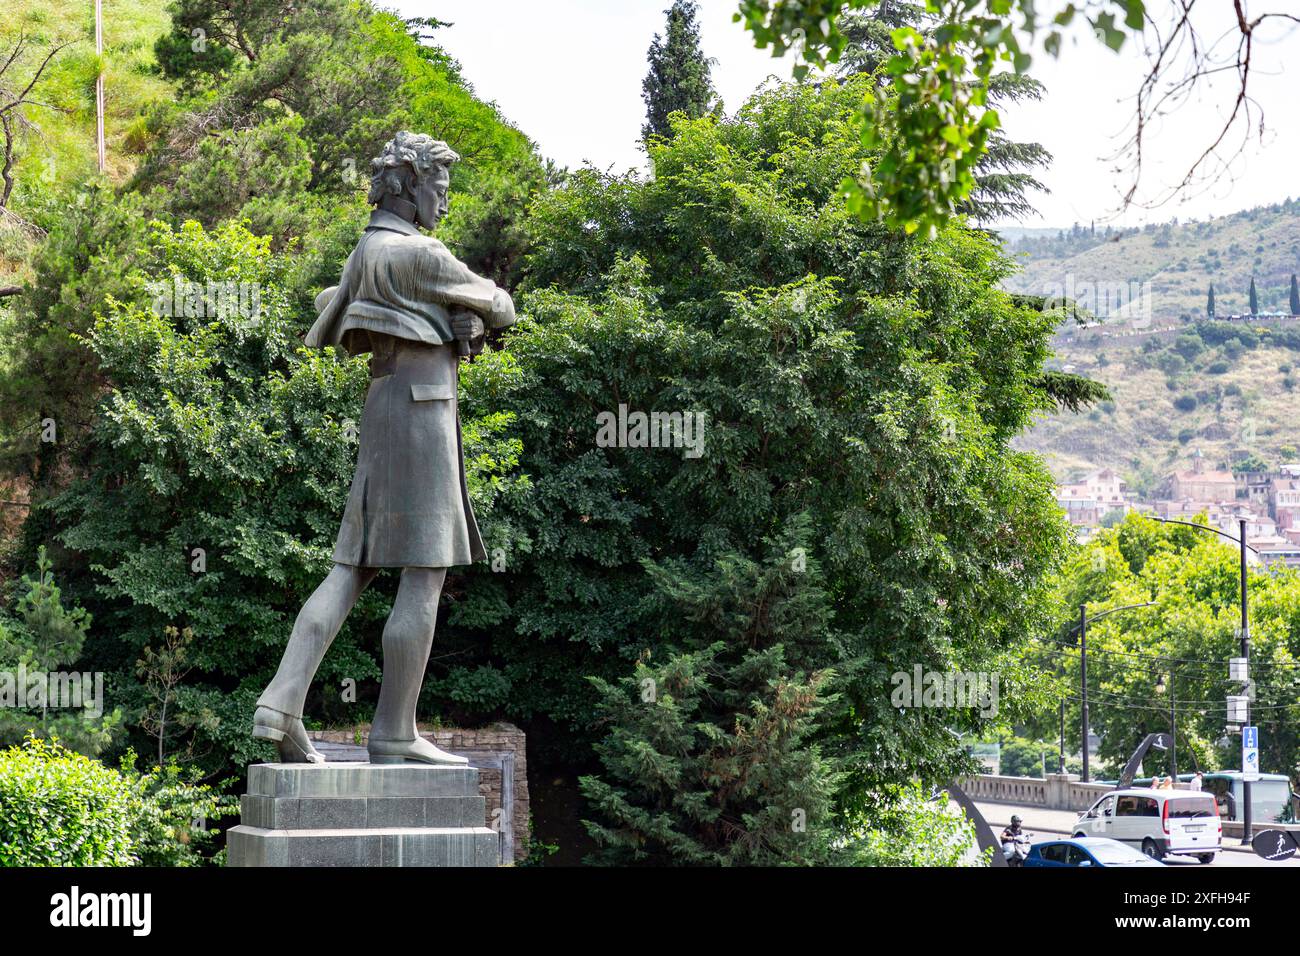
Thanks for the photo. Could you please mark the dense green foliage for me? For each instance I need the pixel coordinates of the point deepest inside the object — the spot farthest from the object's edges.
(1192, 629)
(830, 359)
(1004, 174)
(707, 632)
(708, 763)
(59, 808)
(45, 637)
(910, 827)
(935, 122)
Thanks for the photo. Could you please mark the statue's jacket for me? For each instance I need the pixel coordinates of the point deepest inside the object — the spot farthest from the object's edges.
(409, 504)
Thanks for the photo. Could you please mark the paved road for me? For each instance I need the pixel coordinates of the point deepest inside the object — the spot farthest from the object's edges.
(1053, 824)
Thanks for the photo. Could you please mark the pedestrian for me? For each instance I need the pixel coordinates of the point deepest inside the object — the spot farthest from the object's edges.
(1196, 782)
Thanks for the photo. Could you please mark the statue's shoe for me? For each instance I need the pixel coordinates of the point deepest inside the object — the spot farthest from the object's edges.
(418, 750)
(288, 734)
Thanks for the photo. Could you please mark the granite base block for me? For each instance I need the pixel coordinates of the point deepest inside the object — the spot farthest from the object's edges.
(362, 815)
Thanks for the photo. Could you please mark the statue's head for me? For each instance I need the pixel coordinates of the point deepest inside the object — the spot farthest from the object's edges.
(417, 169)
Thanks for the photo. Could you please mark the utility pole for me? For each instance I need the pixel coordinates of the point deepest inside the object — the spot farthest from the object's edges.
(99, 83)
(1083, 683)
(1083, 677)
(1246, 813)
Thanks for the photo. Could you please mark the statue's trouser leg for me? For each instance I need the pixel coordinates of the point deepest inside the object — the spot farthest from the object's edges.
(408, 638)
(317, 624)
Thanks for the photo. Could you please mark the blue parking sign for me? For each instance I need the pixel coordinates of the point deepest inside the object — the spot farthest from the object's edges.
(1250, 753)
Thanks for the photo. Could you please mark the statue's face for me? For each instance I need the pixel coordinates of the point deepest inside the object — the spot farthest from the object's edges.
(431, 197)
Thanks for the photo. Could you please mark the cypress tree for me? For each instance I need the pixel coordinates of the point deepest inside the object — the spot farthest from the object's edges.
(1254, 298)
(1295, 296)
(1209, 302)
(678, 79)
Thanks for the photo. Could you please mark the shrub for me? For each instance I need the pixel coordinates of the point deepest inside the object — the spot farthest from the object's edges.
(909, 828)
(1217, 368)
(1185, 403)
(58, 808)
(1189, 345)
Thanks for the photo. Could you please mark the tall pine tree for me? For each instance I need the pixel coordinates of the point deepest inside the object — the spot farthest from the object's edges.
(1254, 298)
(678, 79)
(1209, 302)
(1295, 295)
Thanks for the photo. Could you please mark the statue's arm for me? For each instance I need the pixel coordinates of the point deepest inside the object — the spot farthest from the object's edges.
(449, 282)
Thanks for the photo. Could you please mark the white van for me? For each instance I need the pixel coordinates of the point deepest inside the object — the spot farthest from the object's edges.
(1157, 822)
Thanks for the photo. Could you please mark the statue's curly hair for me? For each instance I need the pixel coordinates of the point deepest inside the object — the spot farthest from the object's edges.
(419, 152)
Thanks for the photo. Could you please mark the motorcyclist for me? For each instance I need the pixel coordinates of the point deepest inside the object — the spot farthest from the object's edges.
(1014, 831)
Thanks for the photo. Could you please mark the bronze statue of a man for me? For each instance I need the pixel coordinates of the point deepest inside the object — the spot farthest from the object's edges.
(411, 304)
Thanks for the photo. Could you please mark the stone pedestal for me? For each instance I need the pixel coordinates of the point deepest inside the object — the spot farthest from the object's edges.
(354, 814)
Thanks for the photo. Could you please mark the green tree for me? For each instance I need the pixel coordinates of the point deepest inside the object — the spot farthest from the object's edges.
(300, 100)
(1193, 579)
(1254, 298)
(678, 79)
(930, 131)
(830, 358)
(868, 34)
(1295, 295)
(1209, 302)
(1022, 758)
(1003, 176)
(49, 383)
(708, 763)
(913, 828)
(45, 636)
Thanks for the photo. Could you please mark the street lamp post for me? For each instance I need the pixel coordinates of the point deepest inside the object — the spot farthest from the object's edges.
(1060, 757)
(1246, 813)
(1083, 684)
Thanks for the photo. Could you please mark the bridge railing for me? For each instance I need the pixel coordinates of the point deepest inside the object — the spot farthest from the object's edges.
(1058, 791)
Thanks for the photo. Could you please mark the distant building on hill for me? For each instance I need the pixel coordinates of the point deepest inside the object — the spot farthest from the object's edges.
(1284, 502)
(1093, 496)
(1254, 486)
(1199, 484)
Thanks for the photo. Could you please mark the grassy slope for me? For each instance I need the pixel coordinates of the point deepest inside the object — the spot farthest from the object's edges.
(1142, 433)
(63, 149)
(1181, 261)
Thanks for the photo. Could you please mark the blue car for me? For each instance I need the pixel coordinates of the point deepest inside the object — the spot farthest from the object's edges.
(1086, 851)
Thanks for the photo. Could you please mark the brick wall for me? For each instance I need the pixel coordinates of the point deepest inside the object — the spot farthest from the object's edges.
(497, 750)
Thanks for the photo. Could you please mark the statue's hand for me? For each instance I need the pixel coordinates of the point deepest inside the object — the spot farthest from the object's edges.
(467, 326)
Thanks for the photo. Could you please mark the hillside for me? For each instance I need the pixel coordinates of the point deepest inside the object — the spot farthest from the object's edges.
(1223, 403)
(1179, 382)
(1173, 263)
(59, 145)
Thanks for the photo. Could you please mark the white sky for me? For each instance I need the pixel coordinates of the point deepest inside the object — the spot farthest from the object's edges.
(568, 73)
